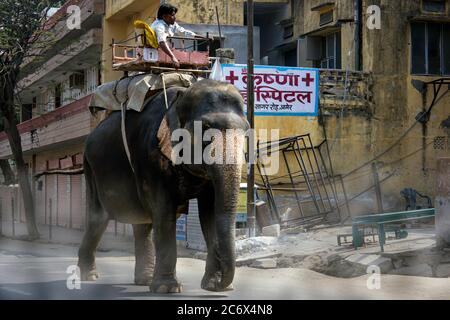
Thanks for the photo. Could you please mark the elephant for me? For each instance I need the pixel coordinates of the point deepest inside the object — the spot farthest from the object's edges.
(149, 189)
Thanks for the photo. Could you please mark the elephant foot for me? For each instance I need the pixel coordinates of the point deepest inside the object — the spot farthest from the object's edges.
(211, 282)
(90, 275)
(166, 286)
(143, 280)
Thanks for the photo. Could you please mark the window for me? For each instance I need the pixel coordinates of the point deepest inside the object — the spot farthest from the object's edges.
(324, 51)
(76, 80)
(435, 6)
(430, 48)
(331, 51)
(290, 58)
(26, 112)
(326, 17)
(58, 95)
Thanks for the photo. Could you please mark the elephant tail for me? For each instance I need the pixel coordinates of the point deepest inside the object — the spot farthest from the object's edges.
(58, 171)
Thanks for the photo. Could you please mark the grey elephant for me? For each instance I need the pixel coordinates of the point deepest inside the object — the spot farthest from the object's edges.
(149, 192)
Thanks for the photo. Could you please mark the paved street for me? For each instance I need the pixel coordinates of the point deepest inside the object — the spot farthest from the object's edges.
(38, 271)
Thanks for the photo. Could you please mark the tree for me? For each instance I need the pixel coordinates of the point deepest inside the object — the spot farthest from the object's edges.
(23, 23)
(8, 174)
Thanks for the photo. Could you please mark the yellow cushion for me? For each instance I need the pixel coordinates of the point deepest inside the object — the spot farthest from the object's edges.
(149, 33)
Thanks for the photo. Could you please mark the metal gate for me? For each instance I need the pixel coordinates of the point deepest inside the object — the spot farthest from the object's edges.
(304, 191)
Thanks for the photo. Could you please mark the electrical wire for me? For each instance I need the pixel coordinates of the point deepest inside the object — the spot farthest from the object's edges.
(393, 145)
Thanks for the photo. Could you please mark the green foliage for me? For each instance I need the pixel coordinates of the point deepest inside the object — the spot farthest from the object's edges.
(20, 22)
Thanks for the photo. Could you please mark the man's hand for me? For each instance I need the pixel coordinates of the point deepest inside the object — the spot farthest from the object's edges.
(176, 62)
(169, 52)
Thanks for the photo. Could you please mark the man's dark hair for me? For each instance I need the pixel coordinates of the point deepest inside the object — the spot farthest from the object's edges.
(166, 8)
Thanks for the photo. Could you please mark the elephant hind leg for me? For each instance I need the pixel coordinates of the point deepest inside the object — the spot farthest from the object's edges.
(145, 254)
(97, 221)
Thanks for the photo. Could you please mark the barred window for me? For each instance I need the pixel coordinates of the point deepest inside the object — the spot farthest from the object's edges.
(430, 50)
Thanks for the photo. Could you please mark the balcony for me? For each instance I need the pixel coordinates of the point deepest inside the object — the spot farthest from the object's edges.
(82, 53)
(341, 89)
(91, 16)
(68, 124)
(120, 9)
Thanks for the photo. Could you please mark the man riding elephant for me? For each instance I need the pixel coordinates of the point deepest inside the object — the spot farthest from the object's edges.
(147, 190)
(166, 26)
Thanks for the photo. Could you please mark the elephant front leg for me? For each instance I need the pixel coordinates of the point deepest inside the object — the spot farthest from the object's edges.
(211, 278)
(145, 254)
(164, 229)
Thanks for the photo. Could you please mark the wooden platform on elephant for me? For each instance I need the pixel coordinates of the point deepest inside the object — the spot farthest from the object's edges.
(144, 59)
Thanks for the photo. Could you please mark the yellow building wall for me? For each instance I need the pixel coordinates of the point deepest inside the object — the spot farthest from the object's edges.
(231, 12)
(359, 137)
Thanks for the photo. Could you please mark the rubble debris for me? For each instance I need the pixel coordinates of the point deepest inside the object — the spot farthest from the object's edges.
(366, 260)
(420, 270)
(271, 231)
(264, 264)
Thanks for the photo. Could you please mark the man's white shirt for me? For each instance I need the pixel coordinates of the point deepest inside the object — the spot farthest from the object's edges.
(163, 30)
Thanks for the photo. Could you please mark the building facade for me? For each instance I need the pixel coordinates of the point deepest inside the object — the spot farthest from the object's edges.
(398, 65)
(400, 51)
(54, 92)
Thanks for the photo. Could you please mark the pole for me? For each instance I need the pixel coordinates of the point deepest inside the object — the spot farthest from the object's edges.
(50, 218)
(357, 35)
(377, 187)
(1, 219)
(12, 216)
(251, 220)
(218, 24)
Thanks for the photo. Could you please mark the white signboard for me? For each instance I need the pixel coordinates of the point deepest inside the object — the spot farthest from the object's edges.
(279, 91)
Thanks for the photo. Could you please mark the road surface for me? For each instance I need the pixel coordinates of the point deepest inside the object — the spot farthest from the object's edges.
(38, 271)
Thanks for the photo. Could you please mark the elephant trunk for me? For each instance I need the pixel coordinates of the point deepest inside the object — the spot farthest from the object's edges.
(226, 180)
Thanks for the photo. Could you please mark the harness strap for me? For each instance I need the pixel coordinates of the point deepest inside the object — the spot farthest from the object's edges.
(164, 89)
(124, 135)
(124, 111)
(122, 126)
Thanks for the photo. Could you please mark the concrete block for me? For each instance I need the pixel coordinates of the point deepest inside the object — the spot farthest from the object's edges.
(366, 260)
(271, 231)
(420, 270)
(248, 261)
(264, 264)
(443, 271)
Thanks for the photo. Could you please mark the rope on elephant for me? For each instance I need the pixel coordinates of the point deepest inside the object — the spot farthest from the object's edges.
(124, 135)
(164, 89)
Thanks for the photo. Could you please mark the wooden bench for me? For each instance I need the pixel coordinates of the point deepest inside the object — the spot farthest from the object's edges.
(380, 220)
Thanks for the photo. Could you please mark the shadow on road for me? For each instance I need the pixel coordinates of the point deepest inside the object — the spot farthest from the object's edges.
(57, 290)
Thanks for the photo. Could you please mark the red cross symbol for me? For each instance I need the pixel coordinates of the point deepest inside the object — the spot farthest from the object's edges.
(308, 79)
(231, 78)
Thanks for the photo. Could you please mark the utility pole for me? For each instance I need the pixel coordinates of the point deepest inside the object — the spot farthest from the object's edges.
(251, 219)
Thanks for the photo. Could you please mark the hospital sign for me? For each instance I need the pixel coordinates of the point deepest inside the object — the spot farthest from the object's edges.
(278, 91)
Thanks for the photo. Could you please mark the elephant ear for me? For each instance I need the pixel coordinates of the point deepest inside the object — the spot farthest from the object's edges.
(169, 124)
